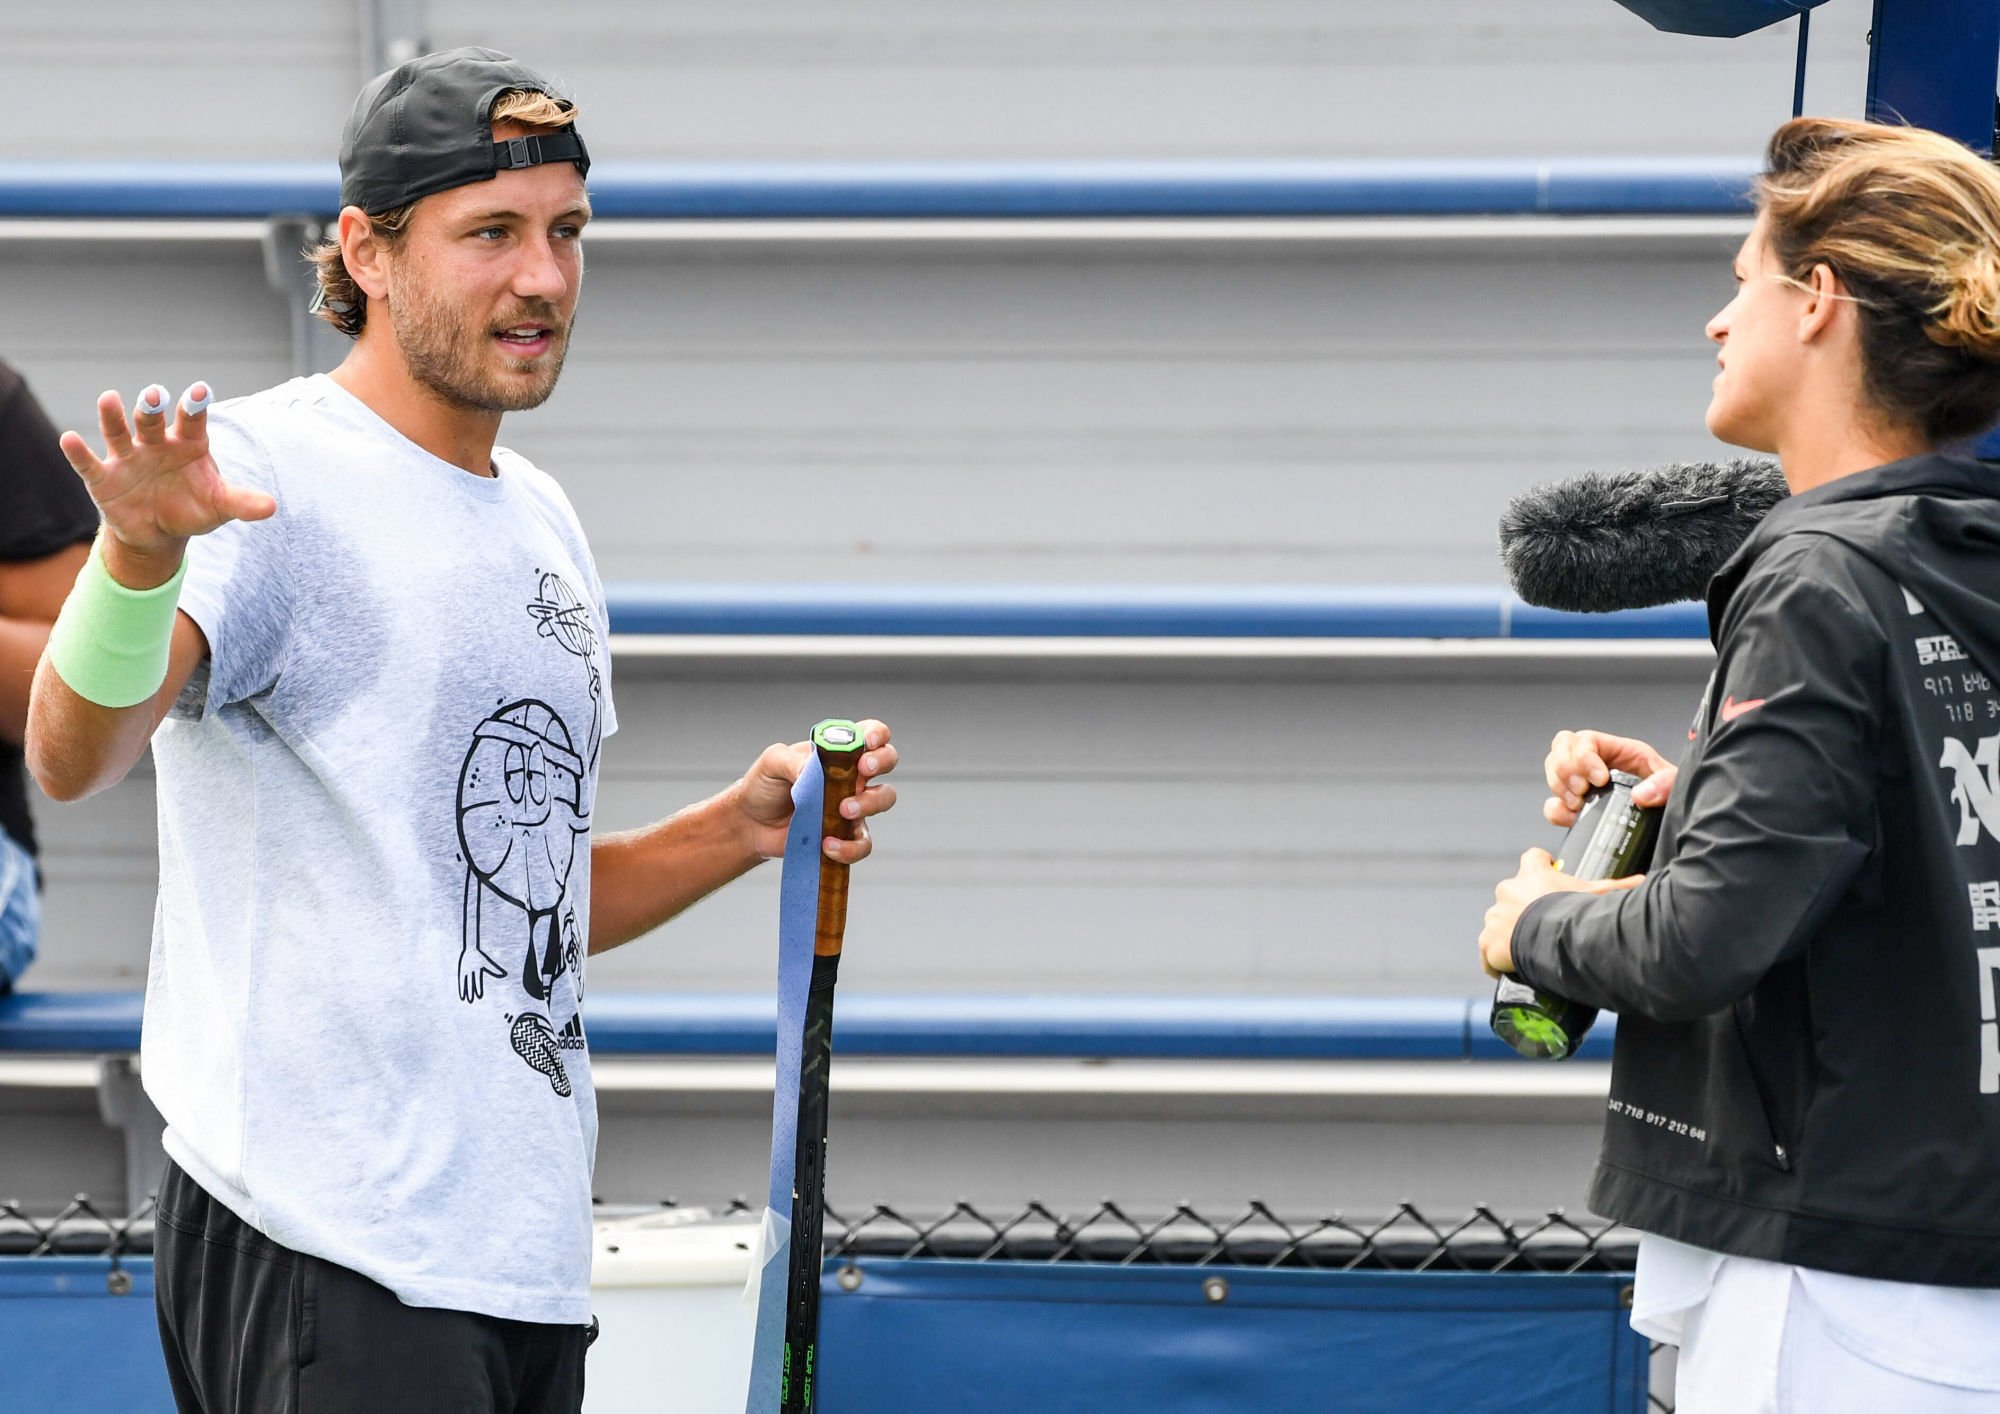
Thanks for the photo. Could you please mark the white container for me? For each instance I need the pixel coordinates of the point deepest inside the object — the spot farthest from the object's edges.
(675, 1337)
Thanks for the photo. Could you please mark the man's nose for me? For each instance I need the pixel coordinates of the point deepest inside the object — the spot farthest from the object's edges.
(540, 273)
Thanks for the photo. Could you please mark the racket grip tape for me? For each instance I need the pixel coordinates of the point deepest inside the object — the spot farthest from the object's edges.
(839, 744)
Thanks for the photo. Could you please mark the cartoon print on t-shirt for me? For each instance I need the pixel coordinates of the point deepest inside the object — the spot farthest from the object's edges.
(523, 804)
(520, 814)
(573, 953)
(535, 1043)
(562, 616)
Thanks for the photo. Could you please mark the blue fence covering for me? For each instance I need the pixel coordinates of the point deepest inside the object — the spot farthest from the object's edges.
(1125, 610)
(69, 1344)
(1001, 190)
(1000, 1338)
(1004, 1337)
(1132, 1027)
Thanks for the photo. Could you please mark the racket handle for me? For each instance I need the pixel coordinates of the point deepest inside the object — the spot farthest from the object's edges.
(839, 744)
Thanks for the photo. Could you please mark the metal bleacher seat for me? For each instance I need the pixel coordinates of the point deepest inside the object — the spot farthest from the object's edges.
(1013, 1027)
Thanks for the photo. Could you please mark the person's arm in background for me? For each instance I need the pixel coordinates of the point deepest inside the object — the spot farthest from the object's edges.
(46, 522)
(31, 594)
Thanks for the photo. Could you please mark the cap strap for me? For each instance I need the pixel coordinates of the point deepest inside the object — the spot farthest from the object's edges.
(532, 151)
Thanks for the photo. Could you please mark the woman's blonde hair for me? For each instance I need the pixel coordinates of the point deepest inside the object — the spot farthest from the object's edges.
(1910, 222)
(340, 301)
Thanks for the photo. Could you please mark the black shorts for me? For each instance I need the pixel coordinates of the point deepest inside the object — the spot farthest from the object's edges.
(250, 1327)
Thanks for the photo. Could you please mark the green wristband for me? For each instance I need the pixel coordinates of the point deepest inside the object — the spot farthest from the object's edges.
(110, 643)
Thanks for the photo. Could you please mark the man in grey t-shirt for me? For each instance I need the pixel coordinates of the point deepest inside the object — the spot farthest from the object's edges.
(367, 646)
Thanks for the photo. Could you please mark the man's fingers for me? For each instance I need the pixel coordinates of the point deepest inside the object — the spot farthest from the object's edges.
(149, 416)
(191, 413)
(872, 801)
(879, 761)
(243, 503)
(81, 459)
(782, 760)
(111, 422)
(1557, 813)
(850, 851)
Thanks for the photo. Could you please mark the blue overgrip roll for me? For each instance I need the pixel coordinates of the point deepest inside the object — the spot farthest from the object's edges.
(798, 911)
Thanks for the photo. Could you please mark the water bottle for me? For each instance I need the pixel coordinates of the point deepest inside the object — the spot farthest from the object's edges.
(1612, 838)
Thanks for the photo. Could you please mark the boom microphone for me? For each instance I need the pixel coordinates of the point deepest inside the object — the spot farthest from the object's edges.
(1633, 539)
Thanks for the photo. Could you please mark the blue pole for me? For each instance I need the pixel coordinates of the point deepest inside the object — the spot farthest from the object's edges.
(1799, 75)
(1934, 64)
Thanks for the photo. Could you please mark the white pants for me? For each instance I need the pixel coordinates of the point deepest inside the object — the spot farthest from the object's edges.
(1756, 1347)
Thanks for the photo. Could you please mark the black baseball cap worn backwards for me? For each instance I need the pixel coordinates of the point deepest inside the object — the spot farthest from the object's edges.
(426, 126)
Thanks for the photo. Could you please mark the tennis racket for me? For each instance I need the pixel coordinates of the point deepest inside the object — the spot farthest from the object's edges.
(839, 745)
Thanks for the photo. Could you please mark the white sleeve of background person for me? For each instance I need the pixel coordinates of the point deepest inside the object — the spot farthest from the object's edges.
(363, 1018)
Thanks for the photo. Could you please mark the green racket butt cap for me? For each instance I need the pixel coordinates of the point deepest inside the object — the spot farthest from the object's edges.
(1532, 1033)
(838, 735)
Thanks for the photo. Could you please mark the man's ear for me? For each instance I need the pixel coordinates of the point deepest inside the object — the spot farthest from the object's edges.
(1826, 296)
(364, 253)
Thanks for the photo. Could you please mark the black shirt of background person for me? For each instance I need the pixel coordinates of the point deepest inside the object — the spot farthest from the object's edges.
(43, 509)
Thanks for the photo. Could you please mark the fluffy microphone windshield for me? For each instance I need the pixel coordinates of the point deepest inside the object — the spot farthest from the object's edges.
(1632, 539)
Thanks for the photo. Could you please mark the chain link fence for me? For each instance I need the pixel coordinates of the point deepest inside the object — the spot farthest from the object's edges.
(80, 1229)
(1407, 1240)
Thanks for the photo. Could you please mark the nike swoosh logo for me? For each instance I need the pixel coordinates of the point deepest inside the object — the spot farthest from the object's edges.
(1732, 709)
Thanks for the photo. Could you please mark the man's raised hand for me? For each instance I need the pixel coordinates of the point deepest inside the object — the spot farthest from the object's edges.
(156, 485)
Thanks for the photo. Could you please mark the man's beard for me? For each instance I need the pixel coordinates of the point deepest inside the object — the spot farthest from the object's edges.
(450, 356)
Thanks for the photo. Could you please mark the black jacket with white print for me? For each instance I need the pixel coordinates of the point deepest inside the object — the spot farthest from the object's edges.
(1807, 1067)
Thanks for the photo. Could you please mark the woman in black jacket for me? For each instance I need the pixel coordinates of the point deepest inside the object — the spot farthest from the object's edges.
(1804, 1115)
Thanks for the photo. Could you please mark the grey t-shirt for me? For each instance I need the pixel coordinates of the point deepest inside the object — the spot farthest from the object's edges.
(362, 1018)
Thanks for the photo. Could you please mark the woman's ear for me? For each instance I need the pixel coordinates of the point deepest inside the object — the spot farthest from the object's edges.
(1825, 296)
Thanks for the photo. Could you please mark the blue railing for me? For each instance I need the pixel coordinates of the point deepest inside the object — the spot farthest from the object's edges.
(1130, 1027)
(1114, 611)
(1705, 186)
